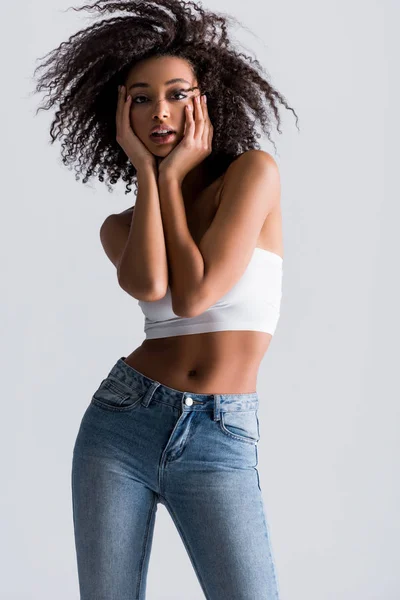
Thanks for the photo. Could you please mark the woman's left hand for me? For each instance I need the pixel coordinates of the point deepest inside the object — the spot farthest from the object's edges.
(196, 144)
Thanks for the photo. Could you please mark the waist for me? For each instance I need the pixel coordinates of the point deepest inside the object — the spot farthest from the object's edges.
(214, 362)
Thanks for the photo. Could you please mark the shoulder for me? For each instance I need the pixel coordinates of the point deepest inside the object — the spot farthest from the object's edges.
(255, 157)
(253, 168)
(250, 163)
(116, 225)
(124, 217)
(114, 233)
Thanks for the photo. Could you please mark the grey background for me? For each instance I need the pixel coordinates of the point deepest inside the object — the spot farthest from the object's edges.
(329, 393)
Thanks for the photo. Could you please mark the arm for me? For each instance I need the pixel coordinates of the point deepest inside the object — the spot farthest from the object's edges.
(201, 275)
(142, 269)
(186, 264)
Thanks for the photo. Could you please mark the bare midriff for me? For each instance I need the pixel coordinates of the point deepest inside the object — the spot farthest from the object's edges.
(219, 362)
(224, 362)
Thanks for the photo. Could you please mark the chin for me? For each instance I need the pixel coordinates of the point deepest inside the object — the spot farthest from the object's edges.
(163, 152)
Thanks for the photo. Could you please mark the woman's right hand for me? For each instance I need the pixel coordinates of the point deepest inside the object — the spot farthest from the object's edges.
(133, 147)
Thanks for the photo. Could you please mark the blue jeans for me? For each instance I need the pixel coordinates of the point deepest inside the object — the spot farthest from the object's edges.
(140, 443)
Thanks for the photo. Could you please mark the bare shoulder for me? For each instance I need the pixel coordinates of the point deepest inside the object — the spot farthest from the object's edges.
(271, 235)
(114, 234)
(126, 216)
(253, 162)
(254, 159)
(260, 157)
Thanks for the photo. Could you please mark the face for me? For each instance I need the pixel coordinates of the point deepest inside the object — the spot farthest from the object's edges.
(158, 102)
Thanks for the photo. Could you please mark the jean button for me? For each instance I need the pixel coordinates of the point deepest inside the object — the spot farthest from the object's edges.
(189, 401)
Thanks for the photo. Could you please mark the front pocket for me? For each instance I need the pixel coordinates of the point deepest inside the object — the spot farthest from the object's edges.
(242, 425)
(115, 395)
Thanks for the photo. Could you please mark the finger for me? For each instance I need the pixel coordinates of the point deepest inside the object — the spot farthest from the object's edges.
(207, 122)
(199, 117)
(210, 136)
(190, 124)
(120, 105)
(205, 107)
(126, 123)
(205, 111)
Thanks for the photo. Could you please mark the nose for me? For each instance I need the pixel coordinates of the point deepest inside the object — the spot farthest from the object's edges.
(160, 109)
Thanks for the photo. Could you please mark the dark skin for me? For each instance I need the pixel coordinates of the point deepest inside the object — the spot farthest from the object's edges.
(212, 362)
(156, 103)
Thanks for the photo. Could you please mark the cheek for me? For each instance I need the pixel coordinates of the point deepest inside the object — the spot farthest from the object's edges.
(136, 125)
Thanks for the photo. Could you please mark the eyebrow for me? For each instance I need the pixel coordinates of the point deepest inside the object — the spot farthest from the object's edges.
(144, 84)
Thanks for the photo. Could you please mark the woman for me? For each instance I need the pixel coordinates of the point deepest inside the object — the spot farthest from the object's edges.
(176, 421)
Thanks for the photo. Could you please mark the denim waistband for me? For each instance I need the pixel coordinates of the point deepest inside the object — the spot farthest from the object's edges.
(185, 400)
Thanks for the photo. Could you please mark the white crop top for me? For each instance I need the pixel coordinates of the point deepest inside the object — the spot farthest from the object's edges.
(253, 303)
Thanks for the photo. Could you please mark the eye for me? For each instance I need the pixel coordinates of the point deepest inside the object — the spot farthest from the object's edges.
(178, 93)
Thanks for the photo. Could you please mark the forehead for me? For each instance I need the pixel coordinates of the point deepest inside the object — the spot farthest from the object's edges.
(157, 71)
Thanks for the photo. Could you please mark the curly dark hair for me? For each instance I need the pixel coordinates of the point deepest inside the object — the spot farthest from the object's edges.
(83, 75)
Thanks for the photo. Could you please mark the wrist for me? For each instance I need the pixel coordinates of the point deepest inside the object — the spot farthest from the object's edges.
(169, 176)
(146, 169)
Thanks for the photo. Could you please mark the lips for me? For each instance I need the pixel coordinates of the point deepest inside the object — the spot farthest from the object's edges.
(158, 131)
(163, 139)
(163, 127)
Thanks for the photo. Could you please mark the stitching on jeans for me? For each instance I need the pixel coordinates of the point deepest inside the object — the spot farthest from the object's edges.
(121, 408)
(247, 440)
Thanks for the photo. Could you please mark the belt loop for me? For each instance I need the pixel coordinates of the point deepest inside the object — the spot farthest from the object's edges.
(217, 408)
(145, 401)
